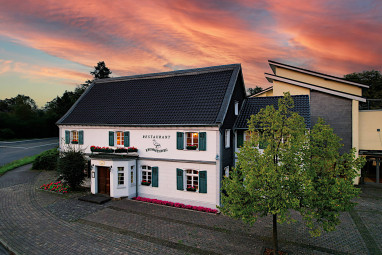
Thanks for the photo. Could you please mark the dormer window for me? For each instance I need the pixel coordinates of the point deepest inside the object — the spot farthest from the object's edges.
(236, 108)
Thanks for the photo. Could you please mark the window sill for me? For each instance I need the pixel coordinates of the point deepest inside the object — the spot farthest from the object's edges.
(121, 187)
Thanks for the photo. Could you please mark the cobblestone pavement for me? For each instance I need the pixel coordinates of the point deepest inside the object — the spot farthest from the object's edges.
(38, 222)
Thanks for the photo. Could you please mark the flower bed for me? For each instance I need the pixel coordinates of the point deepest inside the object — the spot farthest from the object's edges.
(191, 147)
(146, 183)
(132, 149)
(121, 150)
(191, 188)
(178, 205)
(58, 187)
(101, 149)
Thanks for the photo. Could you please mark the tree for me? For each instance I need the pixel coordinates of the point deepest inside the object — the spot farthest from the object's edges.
(101, 71)
(71, 165)
(254, 91)
(373, 79)
(297, 170)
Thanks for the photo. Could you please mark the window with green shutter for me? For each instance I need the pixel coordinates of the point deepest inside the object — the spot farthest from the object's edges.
(202, 181)
(81, 137)
(179, 179)
(202, 141)
(154, 170)
(179, 140)
(67, 136)
(127, 139)
(111, 138)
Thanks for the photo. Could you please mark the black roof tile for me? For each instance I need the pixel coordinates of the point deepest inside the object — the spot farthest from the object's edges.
(253, 105)
(192, 97)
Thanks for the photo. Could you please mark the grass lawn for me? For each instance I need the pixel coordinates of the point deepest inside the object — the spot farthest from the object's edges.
(12, 165)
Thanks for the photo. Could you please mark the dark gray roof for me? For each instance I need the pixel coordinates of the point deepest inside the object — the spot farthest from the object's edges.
(253, 105)
(186, 97)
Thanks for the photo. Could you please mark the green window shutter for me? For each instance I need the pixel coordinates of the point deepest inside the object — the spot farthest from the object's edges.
(81, 137)
(179, 179)
(240, 138)
(154, 180)
(179, 140)
(67, 136)
(111, 138)
(202, 181)
(127, 139)
(202, 141)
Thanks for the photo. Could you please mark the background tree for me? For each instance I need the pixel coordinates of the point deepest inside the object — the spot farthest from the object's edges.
(253, 91)
(297, 170)
(373, 79)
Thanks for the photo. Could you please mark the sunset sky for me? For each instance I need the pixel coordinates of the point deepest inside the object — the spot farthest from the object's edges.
(47, 47)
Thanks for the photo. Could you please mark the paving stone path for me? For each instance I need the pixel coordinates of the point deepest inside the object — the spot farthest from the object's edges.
(38, 222)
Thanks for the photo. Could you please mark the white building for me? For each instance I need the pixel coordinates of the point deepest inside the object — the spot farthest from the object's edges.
(181, 123)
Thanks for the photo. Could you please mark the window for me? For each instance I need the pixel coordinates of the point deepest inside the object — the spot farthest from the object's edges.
(121, 176)
(226, 171)
(192, 177)
(120, 137)
(227, 138)
(132, 175)
(74, 137)
(146, 175)
(192, 140)
(236, 108)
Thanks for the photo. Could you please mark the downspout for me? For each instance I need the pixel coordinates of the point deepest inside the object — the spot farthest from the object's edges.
(136, 177)
(220, 163)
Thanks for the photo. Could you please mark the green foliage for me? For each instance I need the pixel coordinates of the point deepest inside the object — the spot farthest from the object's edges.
(297, 170)
(46, 160)
(253, 91)
(71, 165)
(373, 79)
(17, 163)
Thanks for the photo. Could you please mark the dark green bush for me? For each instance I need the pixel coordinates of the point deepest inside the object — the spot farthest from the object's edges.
(46, 160)
(71, 165)
(7, 133)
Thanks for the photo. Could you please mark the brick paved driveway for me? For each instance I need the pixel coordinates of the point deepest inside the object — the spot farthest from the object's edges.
(38, 222)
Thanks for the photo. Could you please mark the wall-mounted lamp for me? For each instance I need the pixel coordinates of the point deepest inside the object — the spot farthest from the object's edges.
(378, 130)
(217, 157)
(93, 175)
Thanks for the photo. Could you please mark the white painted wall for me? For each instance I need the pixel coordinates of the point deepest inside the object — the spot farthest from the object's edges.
(99, 136)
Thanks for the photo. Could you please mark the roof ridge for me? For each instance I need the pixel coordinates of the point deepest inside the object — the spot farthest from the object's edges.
(322, 75)
(192, 71)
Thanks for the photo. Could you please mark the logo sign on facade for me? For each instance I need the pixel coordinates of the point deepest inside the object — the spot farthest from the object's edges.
(157, 147)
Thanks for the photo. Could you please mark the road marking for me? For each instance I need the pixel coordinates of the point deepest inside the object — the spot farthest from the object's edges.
(25, 148)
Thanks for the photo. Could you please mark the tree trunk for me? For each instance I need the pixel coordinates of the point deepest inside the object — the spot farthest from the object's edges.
(275, 241)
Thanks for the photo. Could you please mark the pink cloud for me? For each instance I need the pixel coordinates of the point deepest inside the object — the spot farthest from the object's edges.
(152, 36)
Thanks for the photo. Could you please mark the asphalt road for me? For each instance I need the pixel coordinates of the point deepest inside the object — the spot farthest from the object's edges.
(10, 151)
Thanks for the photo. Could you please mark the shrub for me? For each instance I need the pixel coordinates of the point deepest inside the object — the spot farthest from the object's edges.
(7, 133)
(71, 165)
(46, 160)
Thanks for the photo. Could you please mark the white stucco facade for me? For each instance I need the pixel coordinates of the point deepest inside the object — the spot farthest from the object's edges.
(157, 147)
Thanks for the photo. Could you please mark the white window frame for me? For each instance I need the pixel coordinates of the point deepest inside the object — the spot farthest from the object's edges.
(192, 139)
(148, 176)
(74, 135)
(193, 176)
(120, 176)
(227, 136)
(122, 140)
(226, 171)
(236, 108)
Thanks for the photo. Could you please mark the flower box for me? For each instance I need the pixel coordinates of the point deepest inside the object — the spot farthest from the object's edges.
(121, 150)
(132, 149)
(191, 188)
(178, 205)
(192, 147)
(74, 142)
(145, 183)
(101, 149)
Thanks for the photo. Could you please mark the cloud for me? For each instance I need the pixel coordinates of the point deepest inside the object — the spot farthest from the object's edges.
(135, 37)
